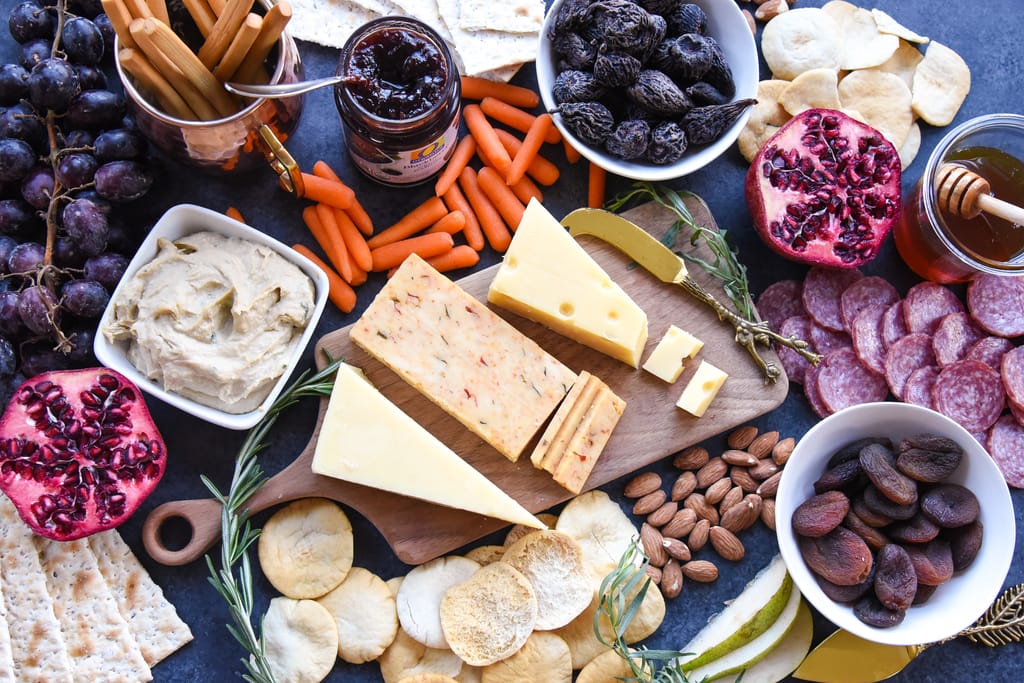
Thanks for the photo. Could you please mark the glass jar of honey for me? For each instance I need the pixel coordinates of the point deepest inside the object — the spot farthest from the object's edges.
(944, 247)
(399, 101)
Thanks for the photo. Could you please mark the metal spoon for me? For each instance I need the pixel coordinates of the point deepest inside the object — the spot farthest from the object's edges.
(281, 89)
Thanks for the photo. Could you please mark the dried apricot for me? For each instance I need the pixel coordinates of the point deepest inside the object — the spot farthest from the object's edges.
(933, 562)
(846, 593)
(867, 515)
(879, 465)
(923, 593)
(872, 536)
(840, 556)
(950, 506)
(851, 451)
(895, 579)
(845, 476)
(878, 503)
(965, 543)
(873, 613)
(918, 529)
(927, 458)
(820, 514)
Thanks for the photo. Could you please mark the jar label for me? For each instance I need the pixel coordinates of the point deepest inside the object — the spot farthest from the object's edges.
(403, 166)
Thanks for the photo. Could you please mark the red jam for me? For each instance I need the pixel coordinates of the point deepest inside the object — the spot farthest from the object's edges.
(396, 74)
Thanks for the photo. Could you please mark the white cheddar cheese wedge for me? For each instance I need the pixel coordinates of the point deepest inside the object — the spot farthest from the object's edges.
(666, 361)
(548, 277)
(366, 439)
(701, 389)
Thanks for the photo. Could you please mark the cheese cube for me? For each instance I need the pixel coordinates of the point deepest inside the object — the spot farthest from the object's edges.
(701, 389)
(666, 361)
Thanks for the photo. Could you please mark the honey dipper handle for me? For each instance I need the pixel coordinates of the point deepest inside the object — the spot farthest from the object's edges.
(1005, 210)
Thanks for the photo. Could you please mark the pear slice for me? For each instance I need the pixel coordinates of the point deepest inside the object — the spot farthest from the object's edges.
(755, 650)
(784, 658)
(749, 615)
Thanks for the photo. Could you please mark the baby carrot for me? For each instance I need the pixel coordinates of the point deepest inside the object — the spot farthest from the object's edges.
(530, 148)
(358, 276)
(526, 190)
(338, 253)
(461, 256)
(232, 212)
(326, 191)
(355, 243)
(456, 201)
(540, 169)
(502, 196)
(464, 151)
(328, 243)
(572, 155)
(423, 216)
(515, 118)
(339, 291)
(474, 88)
(491, 221)
(356, 212)
(453, 223)
(486, 137)
(393, 253)
(596, 178)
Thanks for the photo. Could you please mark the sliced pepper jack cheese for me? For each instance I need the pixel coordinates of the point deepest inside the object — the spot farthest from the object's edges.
(701, 389)
(366, 439)
(579, 431)
(666, 361)
(463, 357)
(548, 277)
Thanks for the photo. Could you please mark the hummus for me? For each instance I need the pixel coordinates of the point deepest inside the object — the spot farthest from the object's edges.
(214, 318)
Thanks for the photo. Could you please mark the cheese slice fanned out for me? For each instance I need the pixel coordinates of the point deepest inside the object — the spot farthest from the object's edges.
(548, 277)
(366, 439)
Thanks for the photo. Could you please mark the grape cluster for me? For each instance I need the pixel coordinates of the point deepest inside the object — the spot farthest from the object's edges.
(68, 156)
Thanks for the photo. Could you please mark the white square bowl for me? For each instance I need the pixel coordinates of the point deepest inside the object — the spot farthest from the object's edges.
(180, 221)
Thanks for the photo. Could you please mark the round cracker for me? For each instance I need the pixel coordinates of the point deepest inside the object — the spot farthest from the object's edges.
(543, 657)
(428, 678)
(864, 46)
(799, 40)
(882, 99)
(766, 117)
(364, 613)
(306, 548)
(300, 639)
(553, 563)
(394, 583)
(419, 597)
(470, 674)
(405, 657)
(886, 24)
(520, 530)
(941, 83)
(911, 146)
(485, 554)
(814, 89)
(903, 62)
(601, 528)
(608, 667)
(490, 616)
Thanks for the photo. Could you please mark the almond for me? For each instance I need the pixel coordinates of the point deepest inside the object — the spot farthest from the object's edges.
(768, 513)
(750, 20)
(738, 457)
(681, 524)
(770, 486)
(671, 579)
(741, 437)
(700, 570)
(676, 549)
(649, 503)
(704, 509)
(771, 9)
(692, 458)
(716, 492)
(734, 496)
(782, 451)
(713, 470)
(663, 514)
(740, 517)
(762, 446)
(642, 484)
(741, 477)
(654, 573)
(764, 468)
(726, 544)
(651, 540)
(755, 501)
(698, 535)
(685, 484)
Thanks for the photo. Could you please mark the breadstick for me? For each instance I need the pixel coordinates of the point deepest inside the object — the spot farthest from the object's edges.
(159, 10)
(276, 18)
(239, 47)
(139, 9)
(119, 17)
(201, 14)
(149, 79)
(224, 30)
(217, 6)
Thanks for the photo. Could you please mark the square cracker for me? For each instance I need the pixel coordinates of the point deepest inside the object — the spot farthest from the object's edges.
(328, 22)
(486, 51)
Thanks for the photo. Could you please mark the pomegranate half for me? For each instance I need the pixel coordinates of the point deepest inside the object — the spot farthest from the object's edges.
(79, 452)
(825, 190)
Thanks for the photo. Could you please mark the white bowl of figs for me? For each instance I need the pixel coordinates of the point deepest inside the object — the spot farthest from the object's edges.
(895, 523)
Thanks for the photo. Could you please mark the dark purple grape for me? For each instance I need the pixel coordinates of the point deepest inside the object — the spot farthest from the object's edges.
(86, 225)
(76, 169)
(66, 253)
(120, 143)
(26, 257)
(53, 84)
(95, 109)
(84, 298)
(82, 41)
(78, 139)
(40, 358)
(122, 181)
(28, 20)
(90, 77)
(37, 187)
(10, 321)
(38, 310)
(121, 237)
(13, 83)
(9, 386)
(82, 337)
(21, 121)
(7, 245)
(91, 194)
(15, 214)
(8, 361)
(102, 22)
(35, 51)
(105, 269)
(16, 159)
(86, 8)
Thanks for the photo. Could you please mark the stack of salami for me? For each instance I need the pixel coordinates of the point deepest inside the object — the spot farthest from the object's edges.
(925, 348)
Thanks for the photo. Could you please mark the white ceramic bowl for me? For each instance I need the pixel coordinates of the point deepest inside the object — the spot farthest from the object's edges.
(955, 604)
(728, 27)
(177, 222)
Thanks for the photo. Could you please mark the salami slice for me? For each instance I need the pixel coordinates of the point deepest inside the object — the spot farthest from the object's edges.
(793, 363)
(926, 304)
(996, 303)
(1006, 445)
(989, 351)
(812, 392)
(826, 340)
(1012, 370)
(971, 393)
(903, 357)
(843, 381)
(865, 292)
(823, 288)
(894, 327)
(1017, 412)
(866, 333)
(919, 386)
(781, 300)
(954, 334)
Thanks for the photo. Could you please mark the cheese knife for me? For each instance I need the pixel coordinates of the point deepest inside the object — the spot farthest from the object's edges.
(667, 266)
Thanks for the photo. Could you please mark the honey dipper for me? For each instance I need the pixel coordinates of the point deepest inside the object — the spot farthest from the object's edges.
(962, 192)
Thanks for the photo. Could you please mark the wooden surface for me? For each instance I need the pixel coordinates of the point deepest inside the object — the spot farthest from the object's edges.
(651, 427)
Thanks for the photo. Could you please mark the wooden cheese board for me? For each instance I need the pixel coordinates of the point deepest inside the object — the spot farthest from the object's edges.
(651, 428)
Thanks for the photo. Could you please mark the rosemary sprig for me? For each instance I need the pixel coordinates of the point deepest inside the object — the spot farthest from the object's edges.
(237, 532)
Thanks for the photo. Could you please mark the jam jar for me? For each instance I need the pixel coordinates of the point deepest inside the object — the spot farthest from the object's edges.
(399, 100)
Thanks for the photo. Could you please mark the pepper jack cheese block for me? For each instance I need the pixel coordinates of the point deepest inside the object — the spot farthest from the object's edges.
(701, 389)
(366, 439)
(666, 361)
(578, 433)
(548, 277)
(463, 357)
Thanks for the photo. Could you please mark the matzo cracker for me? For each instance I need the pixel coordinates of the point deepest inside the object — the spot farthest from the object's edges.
(514, 16)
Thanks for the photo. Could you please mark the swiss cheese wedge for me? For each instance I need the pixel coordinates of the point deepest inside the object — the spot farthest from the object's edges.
(548, 277)
(366, 439)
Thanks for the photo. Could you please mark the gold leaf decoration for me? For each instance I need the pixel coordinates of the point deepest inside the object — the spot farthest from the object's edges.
(1003, 623)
